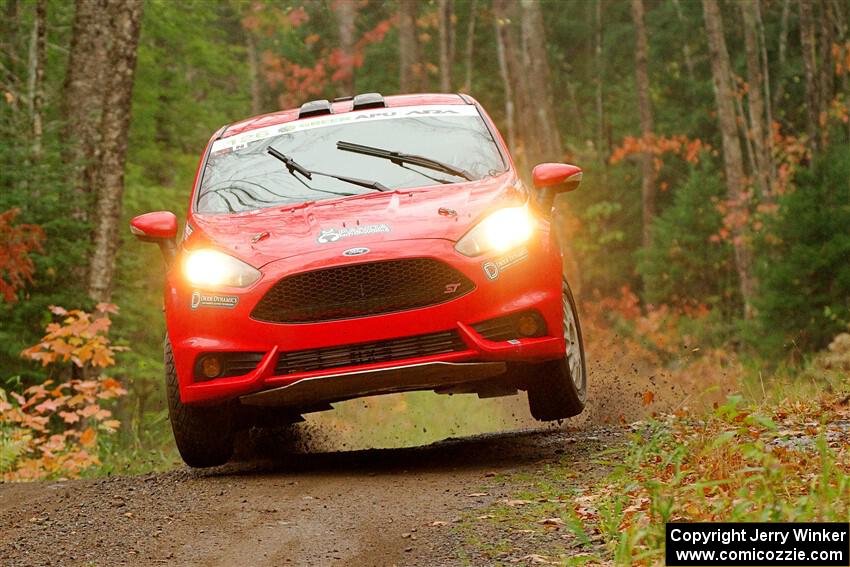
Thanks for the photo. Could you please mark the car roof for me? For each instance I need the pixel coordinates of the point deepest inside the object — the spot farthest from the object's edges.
(342, 106)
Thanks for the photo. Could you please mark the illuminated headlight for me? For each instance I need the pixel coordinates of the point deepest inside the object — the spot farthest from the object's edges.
(210, 268)
(501, 231)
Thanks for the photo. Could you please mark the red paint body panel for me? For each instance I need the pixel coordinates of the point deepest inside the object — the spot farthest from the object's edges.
(417, 230)
(549, 174)
(158, 225)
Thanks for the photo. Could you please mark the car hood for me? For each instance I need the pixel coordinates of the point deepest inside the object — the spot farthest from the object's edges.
(263, 236)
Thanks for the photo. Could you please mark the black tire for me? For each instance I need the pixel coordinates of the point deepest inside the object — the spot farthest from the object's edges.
(203, 434)
(552, 392)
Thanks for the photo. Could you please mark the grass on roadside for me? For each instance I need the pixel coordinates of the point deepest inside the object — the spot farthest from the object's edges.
(777, 461)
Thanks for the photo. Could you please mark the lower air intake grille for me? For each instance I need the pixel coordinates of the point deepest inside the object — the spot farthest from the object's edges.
(508, 327)
(359, 290)
(232, 364)
(368, 353)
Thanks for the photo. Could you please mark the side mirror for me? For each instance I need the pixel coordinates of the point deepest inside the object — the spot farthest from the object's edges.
(552, 179)
(160, 228)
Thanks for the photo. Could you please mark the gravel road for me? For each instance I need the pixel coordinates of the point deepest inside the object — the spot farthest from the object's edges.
(372, 507)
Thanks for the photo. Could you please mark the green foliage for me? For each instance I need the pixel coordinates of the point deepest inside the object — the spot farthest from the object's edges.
(684, 265)
(42, 195)
(805, 287)
(604, 239)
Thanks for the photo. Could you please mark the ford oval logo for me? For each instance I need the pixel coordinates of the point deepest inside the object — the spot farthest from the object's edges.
(355, 251)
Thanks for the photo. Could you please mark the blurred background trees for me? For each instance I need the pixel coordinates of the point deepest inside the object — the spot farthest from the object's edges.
(715, 138)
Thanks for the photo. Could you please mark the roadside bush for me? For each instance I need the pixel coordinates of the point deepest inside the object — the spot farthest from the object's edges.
(51, 429)
(741, 463)
(684, 264)
(17, 242)
(668, 332)
(805, 290)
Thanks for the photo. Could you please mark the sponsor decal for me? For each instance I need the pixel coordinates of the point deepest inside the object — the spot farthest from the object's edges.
(493, 268)
(356, 251)
(212, 300)
(328, 235)
(240, 141)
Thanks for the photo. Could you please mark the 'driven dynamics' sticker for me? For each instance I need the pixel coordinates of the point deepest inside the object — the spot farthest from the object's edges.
(211, 300)
(492, 268)
(333, 234)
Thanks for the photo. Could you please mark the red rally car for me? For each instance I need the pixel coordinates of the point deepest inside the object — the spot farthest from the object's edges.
(363, 246)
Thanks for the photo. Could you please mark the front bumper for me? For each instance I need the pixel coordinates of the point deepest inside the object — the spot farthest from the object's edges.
(532, 283)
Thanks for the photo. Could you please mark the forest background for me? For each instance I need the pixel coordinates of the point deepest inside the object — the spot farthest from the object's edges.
(714, 135)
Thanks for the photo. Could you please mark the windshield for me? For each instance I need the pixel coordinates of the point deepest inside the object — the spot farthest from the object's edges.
(240, 175)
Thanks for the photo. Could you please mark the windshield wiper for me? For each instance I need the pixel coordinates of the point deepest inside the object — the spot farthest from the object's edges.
(293, 167)
(400, 158)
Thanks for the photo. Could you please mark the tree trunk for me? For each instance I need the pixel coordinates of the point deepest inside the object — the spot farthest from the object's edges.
(537, 77)
(807, 42)
(470, 45)
(782, 50)
(38, 60)
(768, 114)
(346, 14)
(758, 130)
(254, 70)
(826, 67)
(444, 17)
(841, 24)
(601, 148)
(506, 14)
(83, 99)
(410, 68)
(732, 159)
(646, 123)
(125, 17)
(505, 72)
(686, 49)
(10, 34)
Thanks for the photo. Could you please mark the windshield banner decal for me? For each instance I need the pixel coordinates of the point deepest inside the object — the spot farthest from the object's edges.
(242, 140)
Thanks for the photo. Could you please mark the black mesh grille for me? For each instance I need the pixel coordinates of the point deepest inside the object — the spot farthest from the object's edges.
(369, 353)
(358, 290)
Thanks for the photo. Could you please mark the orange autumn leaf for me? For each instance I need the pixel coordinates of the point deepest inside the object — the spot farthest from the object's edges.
(102, 414)
(102, 358)
(648, 397)
(88, 437)
(89, 411)
(69, 417)
(51, 424)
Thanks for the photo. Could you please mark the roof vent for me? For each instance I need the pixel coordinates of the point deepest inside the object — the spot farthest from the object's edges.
(368, 100)
(315, 108)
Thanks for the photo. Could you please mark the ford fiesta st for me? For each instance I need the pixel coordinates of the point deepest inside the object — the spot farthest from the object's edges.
(363, 246)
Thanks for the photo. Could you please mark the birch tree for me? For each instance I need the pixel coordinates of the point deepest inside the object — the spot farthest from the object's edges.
(733, 163)
(646, 122)
(408, 47)
(125, 17)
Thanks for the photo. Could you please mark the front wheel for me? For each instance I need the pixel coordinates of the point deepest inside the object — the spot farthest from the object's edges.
(203, 434)
(557, 389)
